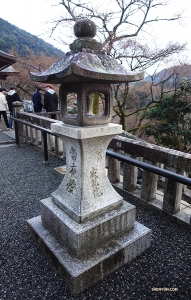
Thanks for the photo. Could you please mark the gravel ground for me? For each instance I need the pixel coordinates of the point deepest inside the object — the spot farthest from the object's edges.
(25, 273)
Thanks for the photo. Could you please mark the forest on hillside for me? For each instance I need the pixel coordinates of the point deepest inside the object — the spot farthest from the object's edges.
(23, 43)
(33, 55)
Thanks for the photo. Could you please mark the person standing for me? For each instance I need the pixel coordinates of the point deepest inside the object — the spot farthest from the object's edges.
(3, 106)
(12, 96)
(37, 103)
(50, 100)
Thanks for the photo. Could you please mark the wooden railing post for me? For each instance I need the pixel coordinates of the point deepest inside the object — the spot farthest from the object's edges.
(17, 133)
(113, 170)
(149, 184)
(45, 147)
(17, 106)
(129, 177)
(172, 194)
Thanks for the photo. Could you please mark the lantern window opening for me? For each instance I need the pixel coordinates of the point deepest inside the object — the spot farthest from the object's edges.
(97, 104)
(72, 104)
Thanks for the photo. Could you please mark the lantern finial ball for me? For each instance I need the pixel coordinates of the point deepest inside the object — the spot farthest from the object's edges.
(85, 28)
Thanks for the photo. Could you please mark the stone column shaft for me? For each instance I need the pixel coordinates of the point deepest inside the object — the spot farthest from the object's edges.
(86, 191)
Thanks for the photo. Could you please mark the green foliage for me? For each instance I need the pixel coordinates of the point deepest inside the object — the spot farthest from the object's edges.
(23, 43)
(170, 122)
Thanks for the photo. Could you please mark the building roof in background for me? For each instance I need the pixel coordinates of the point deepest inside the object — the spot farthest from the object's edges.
(6, 60)
(8, 71)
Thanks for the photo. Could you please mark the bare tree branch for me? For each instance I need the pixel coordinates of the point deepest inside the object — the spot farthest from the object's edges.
(120, 20)
(118, 24)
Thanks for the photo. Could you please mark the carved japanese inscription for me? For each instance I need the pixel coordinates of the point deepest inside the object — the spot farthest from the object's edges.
(71, 184)
(73, 153)
(95, 183)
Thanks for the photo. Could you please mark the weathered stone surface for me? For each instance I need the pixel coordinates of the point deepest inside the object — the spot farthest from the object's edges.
(114, 166)
(84, 115)
(172, 195)
(73, 67)
(86, 229)
(86, 132)
(169, 157)
(156, 205)
(81, 274)
(149, 184)
(86, 61)
(86, 191)
(81, 239)
(85, 28)
(129, 177)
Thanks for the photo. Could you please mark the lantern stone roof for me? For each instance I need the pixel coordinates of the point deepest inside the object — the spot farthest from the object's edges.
(86, 62)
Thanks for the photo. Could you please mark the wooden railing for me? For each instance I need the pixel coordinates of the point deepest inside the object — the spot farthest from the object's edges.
(123, 176)
(162, 193)
(35, 136)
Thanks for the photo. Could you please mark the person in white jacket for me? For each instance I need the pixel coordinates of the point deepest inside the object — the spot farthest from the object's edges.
(3, 106)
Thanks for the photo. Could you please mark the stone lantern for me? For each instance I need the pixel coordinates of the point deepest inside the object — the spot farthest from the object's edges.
(85, 227)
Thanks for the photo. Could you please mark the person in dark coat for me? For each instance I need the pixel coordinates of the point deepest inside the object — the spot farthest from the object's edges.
(36, 98)
(50, 100)
(12, 96)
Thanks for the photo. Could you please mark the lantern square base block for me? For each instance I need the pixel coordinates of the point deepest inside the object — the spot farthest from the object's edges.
(82, 239)
(79, 274)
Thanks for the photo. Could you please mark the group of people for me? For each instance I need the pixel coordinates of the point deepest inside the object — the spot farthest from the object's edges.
(50, 100)
(7, 98)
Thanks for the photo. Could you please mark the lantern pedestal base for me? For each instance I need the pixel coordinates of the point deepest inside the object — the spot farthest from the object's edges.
(86, 228)
(79, 274)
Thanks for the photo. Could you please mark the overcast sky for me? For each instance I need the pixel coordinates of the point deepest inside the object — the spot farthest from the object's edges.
(33, 15)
